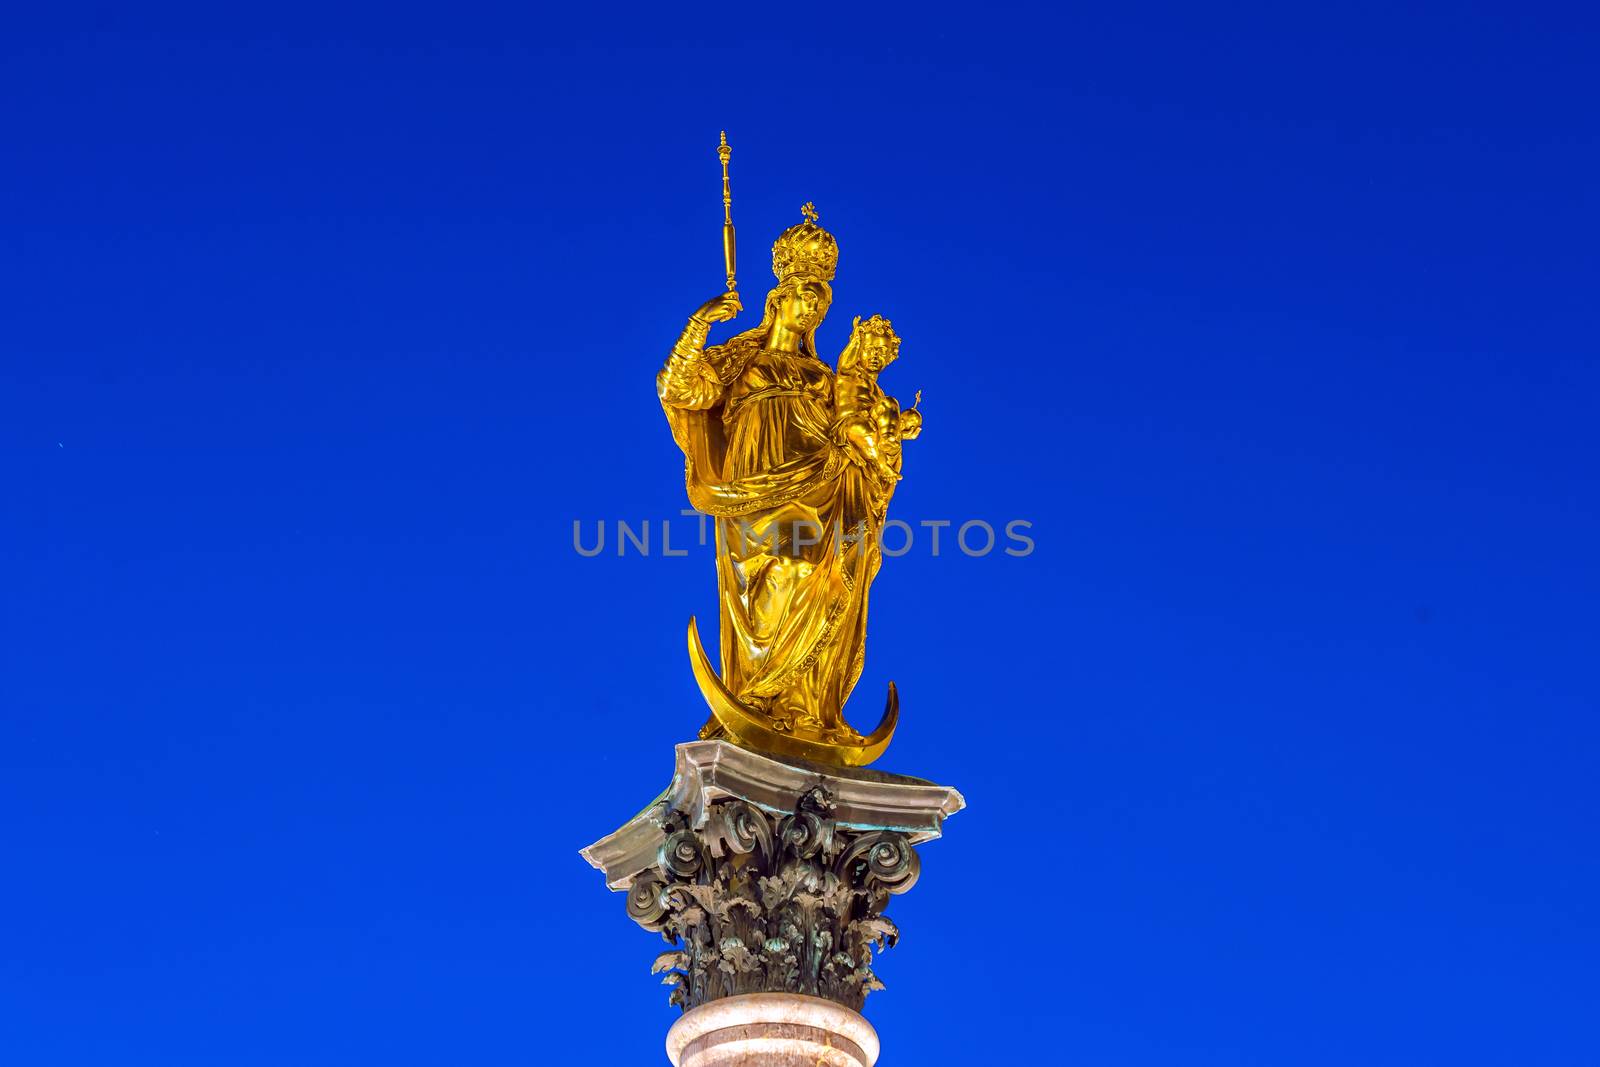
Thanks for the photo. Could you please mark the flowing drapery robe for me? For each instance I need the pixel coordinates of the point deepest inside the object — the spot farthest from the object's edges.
(797, 526)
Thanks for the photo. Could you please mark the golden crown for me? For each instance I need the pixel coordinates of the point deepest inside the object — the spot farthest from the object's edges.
(805, 248)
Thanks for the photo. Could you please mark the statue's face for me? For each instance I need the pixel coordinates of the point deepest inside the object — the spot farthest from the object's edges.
(876, 352)
(802, 307)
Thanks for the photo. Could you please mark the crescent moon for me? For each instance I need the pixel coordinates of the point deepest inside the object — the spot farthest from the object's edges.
(749, 730)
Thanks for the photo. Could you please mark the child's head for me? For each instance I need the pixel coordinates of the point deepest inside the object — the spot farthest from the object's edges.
(873, 346)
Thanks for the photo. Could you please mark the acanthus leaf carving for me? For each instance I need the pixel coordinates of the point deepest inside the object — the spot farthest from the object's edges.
(762, 903)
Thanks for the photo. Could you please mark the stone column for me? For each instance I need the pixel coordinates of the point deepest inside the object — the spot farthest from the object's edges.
(769, 878)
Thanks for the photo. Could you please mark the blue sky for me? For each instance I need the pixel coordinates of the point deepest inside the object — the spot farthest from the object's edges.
(322, 326)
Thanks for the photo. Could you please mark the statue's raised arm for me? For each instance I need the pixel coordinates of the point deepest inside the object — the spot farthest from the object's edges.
(688, 381)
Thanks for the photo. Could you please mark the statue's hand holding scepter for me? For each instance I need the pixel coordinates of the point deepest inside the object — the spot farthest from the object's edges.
(720, 308)
(724, 307)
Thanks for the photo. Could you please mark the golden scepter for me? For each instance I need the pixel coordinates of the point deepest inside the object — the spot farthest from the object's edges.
(723, 152)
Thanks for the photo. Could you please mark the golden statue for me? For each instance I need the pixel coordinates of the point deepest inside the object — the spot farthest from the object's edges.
(796, 462)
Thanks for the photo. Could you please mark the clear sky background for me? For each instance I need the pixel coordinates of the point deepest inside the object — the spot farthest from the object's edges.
(320, 327)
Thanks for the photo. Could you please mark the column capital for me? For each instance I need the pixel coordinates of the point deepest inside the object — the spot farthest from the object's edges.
(771, 876)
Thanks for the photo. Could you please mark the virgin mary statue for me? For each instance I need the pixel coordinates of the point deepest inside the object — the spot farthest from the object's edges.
(798, 513)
